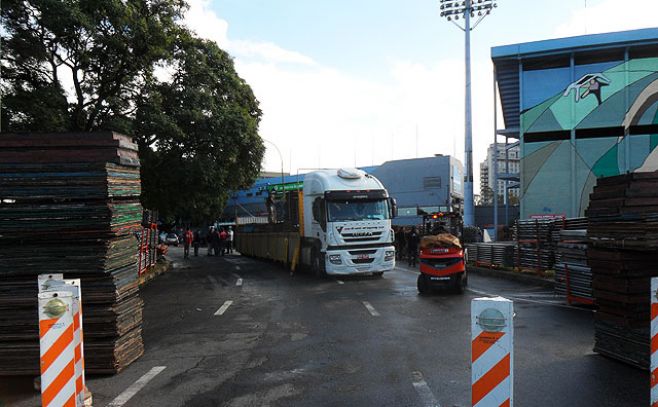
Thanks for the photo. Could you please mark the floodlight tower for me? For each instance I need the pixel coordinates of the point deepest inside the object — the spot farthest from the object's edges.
(453, 10)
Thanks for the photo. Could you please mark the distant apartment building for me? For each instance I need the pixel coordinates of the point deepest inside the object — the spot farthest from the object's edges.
(508, 170)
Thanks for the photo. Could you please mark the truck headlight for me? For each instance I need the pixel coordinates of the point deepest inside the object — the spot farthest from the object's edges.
(389, 255)
(335, 259)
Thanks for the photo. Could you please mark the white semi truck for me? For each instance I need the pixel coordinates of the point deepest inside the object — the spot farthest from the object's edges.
(341, 226)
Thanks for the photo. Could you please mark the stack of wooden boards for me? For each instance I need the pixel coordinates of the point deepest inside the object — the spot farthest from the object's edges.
(69, 203)
(623, 248)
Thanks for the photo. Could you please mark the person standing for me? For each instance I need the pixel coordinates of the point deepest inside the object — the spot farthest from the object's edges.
(231, 235)
(223, 241)
(196, 242)
(188, 238)
(412, 247)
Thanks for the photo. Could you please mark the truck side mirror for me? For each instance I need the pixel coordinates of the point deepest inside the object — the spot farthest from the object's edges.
(393, 204)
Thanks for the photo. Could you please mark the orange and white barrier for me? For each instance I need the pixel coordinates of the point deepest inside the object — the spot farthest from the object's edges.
(492, 352)
(654, 342)
(55, 282)
(57, 349)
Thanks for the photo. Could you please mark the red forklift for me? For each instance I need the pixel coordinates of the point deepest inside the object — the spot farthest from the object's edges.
(442, 255)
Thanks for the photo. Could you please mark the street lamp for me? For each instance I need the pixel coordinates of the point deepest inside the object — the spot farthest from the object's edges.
(281, 157)
(454, 10)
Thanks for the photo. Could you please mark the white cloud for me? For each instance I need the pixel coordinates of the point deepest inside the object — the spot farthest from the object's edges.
(610, 15)
(320, 116)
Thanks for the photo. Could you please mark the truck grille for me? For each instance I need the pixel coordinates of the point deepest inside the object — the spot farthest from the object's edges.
(357, 252)
(357, 237)
(362, 261)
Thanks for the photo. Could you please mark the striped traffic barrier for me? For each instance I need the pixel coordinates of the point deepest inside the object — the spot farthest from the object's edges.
(57, 358)
(56, 282)
(492, 366)
(654, 342)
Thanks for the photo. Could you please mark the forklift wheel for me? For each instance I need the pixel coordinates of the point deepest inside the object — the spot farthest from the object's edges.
(423, 287)
(460, 285)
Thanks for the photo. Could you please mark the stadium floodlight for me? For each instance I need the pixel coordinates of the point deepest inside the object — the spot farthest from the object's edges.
(453, 10)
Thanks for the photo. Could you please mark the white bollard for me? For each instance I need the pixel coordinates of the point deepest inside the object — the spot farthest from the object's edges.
(654, 343)
(492, 380)
(57, 350)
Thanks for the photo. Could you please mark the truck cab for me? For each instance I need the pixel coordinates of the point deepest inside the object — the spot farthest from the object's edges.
(347, 223)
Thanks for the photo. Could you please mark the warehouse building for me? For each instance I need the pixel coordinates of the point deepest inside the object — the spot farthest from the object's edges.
(580, 108)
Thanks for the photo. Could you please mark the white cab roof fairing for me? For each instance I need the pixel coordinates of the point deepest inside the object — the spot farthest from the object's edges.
(318, 182)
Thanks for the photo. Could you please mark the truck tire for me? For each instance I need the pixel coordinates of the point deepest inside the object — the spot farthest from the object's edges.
(317, 264)
(423, 287)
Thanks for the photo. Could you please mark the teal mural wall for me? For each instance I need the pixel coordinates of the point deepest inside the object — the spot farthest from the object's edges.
(582, 122)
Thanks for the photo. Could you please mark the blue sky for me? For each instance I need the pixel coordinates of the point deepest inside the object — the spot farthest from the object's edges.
(361, 82)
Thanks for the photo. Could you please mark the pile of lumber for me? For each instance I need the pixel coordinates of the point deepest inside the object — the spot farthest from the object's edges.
(69, 203)
(623, 248)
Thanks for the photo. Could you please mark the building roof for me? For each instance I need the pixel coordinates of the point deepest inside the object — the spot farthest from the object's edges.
(506, 59)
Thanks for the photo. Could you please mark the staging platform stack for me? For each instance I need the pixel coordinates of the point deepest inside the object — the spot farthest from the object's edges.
(69, 203)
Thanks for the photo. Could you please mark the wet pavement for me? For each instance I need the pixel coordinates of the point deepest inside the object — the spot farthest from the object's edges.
(234, 331)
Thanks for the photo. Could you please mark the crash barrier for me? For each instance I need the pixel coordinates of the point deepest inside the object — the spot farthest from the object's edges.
(61, 341)
(492, 352)
(654, 342)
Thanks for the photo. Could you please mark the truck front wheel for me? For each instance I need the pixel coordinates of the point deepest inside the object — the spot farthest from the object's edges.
(317, 264)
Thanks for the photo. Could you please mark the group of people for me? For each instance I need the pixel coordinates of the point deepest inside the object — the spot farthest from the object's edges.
(219, 241)
(407, 240)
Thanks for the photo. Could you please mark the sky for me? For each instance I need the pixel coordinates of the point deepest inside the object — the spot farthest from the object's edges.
(357, 83)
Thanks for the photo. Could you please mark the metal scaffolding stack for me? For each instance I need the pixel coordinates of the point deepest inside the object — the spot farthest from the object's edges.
(534, 244)
(573, 276)
(623, 247)
(69, 203)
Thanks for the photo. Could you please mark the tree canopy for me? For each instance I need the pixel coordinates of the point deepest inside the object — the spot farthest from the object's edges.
(131, 66)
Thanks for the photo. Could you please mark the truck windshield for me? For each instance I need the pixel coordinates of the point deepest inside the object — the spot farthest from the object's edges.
(341, 211)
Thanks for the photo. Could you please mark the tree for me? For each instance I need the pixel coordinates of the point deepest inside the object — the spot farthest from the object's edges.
(197, 131)
(204, 122)
(105, 49)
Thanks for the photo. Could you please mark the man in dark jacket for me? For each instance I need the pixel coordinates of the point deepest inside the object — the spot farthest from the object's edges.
(412, 247)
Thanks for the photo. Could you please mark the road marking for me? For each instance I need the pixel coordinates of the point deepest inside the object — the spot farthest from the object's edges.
(371, 309)
(123, 398)
(239, 282)
(424, 391)
(224, 307)
(340, 282)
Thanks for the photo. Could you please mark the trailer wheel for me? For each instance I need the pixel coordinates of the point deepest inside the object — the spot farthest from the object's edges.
(423, 287)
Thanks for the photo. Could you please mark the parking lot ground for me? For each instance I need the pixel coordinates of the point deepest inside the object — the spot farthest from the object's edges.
(234, 331)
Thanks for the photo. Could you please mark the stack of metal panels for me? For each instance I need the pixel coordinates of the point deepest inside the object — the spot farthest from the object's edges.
(69, 204)
(495, 254)
(623, 247)
(573, 277)
(535, 246)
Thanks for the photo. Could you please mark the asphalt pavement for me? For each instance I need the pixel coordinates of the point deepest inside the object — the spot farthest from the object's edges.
(233, 331)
